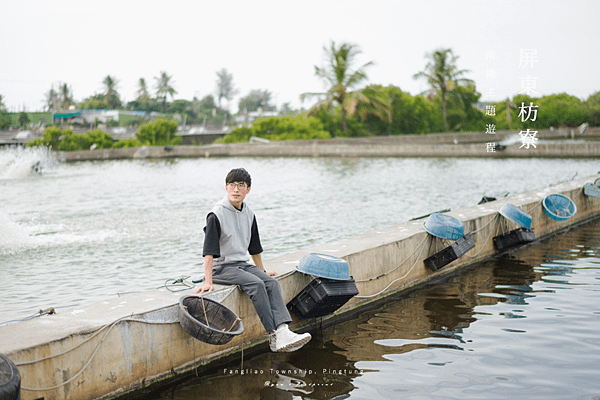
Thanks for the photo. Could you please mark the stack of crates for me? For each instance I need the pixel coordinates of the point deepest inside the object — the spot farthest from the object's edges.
(330, 289)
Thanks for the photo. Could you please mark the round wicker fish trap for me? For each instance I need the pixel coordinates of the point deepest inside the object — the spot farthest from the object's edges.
(10, 379)
(208, 321)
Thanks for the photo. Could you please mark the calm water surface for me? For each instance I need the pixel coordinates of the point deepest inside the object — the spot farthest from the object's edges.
(82, 232)
(523, 326)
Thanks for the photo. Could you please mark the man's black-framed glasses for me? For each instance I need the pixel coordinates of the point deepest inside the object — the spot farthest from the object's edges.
(239, 185)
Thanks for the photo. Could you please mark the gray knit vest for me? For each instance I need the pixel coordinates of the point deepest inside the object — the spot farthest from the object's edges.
(236, 227)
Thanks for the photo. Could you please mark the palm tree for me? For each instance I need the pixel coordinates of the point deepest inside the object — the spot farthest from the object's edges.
(142, 92)
(164, 88)
(52, 100)
(225, 88)
(110, 92)
(341, 79)
(443, 76)
(65, 95)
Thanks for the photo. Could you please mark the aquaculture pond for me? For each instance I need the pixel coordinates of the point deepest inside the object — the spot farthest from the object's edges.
(525, 325)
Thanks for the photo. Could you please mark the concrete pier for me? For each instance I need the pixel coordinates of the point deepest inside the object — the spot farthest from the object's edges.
(125, 343)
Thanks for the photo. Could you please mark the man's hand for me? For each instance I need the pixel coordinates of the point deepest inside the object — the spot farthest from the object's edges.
(258, 262)
(208, 287)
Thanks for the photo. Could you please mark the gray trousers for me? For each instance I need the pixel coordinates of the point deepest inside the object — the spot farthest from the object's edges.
(264, 291)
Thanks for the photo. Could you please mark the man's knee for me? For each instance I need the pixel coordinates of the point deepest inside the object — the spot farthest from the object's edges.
(272, 284)
(254, 286)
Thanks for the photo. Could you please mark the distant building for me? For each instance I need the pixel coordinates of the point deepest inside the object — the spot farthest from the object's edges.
(253, 115)
(103, 116)
(200, 134)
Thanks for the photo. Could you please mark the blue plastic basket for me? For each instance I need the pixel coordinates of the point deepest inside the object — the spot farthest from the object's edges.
(324, 266)
(444, 226)
(592, 189)
(559, 207)
(516, 215)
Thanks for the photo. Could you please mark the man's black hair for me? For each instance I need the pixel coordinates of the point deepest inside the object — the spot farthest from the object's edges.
(238, 175)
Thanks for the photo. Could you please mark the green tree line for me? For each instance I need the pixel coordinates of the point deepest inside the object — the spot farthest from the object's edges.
(450, 104)
(158, 133)
(347, 107)
(421, 115)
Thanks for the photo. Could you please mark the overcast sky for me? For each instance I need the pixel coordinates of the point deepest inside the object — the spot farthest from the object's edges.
(274, 45)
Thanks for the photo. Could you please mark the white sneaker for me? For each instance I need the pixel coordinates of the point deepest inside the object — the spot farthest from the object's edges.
(273, 341)
(284, 340)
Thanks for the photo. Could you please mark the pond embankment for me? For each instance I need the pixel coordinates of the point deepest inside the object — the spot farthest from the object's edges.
(558, 143)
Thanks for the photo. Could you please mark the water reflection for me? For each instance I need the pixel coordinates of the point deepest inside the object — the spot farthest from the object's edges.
(320, 372)
(519, 326)
(436, 316)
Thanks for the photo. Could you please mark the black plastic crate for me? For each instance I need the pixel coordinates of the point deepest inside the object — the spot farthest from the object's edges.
(513, 238)
(450, 253)
(322, 297)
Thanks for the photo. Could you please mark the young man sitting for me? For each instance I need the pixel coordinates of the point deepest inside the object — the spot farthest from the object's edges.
(231, 233)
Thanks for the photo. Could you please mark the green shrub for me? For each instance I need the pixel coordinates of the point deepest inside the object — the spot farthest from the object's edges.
(73, 141)
(23, 119)
(67, 140)
(101, 139)
(553, 110)
(280, 128)
(5, 120)
(51, 138)
(131, 142)
(242, 134)
(158, 133)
